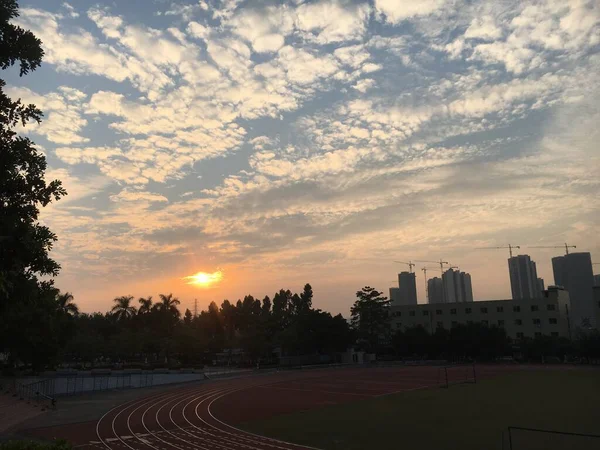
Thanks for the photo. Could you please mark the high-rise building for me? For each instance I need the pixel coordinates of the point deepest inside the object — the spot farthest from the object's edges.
(540, 285)
(467, 287)
(406, 292)
(457, 286)
(449, 286)
(435, 290)
(574, 272)
(523, 277)
(596, 280)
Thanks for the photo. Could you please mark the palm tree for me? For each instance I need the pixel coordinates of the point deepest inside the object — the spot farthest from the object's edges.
(123, 309)
(66, 305)
(145, 305)
(168, 304)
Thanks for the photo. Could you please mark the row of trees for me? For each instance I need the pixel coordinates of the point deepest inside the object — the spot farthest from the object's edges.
(156, 332)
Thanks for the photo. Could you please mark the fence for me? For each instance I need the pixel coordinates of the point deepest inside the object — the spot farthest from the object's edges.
(520, 438)
(81, 383)
(38, 392)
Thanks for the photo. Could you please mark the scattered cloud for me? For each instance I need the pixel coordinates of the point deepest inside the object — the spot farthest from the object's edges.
(234, 130)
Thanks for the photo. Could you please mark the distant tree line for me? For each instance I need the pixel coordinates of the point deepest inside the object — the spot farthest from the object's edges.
(155, 332)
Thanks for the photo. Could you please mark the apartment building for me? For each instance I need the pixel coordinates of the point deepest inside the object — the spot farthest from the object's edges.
(546, 315)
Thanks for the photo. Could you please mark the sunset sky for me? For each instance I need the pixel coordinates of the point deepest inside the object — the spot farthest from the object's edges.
(313, 141)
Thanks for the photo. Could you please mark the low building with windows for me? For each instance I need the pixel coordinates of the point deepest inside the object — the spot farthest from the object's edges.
(547, 315)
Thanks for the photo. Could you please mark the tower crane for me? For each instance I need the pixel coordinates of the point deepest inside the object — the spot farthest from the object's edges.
(509, 247)
(425, 269)
(410, 265)
(440, 262)
(567, 247)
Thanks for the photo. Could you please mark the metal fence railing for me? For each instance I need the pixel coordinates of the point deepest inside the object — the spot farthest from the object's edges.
(38, 392)
(521, 438)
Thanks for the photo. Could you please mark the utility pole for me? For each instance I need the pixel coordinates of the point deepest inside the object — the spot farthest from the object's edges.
(424, 269)
(195, 307)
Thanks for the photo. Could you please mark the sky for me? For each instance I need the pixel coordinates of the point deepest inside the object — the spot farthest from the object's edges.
(312, 141)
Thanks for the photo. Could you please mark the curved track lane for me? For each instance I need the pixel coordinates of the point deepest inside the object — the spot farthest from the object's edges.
(181, 420)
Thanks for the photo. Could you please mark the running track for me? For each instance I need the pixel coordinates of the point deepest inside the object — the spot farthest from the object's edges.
(202, 416)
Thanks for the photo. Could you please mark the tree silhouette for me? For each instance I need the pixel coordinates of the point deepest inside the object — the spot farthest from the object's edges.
(28, 314)
(370, 318)
(123, 309)
(145, 305)
(168, 305)
(66, 304)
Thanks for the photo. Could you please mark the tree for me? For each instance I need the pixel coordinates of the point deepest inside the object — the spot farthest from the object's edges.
(187, 317)
(65, 304)
(168, 305)
(145, 305)
(123, 309)
(24, 243)
(370, 318)
(29, 318)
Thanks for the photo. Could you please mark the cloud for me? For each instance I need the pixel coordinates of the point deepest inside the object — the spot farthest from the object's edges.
(70, 10)
(364, 85)
(330, 21)
(265, 29)
(63, 114)
(395, 11)
(138, 196)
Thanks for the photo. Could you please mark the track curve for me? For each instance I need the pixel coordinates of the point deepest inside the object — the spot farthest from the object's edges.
(182, 420)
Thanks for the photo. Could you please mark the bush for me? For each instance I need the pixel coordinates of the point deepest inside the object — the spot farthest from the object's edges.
(31, 445)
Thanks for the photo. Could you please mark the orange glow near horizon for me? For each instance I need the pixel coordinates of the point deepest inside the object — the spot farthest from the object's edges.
(204, 279)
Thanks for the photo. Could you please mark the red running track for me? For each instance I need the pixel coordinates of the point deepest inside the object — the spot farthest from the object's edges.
(203, 416)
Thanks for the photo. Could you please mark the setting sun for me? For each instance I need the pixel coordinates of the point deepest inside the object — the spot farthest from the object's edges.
(204, 279)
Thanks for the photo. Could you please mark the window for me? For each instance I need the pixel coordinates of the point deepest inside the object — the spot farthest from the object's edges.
(453, 311)
(485, 322)
(536, 321)
(500, 309)
(516, 309)
(411, 313)
(440, 324)
(484, 310)
(534, 307)
(454, 323)
(520, 335)
(501, 323)
(554, 334)
(518, 322)
(398, 314)
(551, 307)
(439, 312)
(398, 325)
(553, 321)
(468, 310)
(537, 334)
(469, 322)
(425, 313)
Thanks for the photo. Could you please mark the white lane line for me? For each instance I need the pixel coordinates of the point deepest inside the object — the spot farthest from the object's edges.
(123, 407)
(245, 441)
(247, 432)
(156, 416)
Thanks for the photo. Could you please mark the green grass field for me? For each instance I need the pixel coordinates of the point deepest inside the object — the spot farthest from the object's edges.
(469, 416)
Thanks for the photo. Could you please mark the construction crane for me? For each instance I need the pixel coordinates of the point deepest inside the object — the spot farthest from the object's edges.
(440, 262)
(425, 269)
(410, 265)
(567, 247)
(509, 247)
